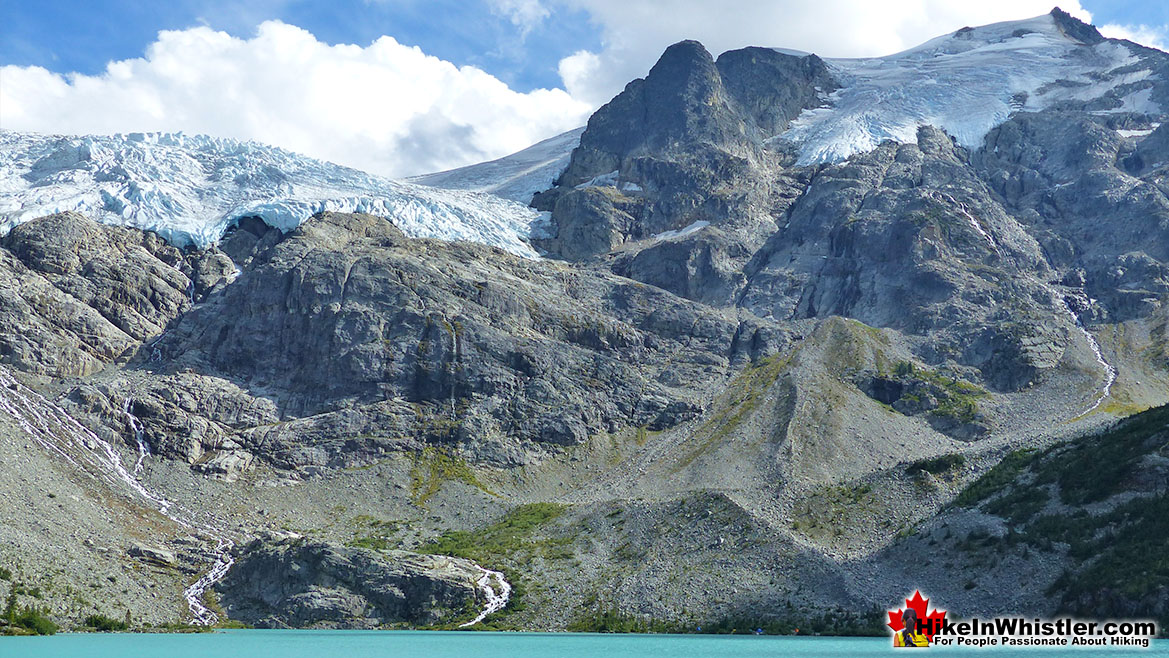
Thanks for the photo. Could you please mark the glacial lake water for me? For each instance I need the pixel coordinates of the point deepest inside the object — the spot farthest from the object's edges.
(432, 644)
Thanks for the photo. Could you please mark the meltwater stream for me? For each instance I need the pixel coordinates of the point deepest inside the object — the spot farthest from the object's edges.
(139, 436)
(496, 601)
(1110, 379)
(55, 430)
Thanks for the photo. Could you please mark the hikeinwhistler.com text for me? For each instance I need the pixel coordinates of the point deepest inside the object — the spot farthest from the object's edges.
(1020, 632)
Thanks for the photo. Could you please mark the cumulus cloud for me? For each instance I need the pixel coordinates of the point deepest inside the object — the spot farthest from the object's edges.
(394, 110)
(1156, 37)
(636, 31)
(524, 14)
(385, 108)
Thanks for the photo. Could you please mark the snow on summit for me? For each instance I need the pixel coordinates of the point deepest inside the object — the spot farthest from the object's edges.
(967, 83)
(190, 189)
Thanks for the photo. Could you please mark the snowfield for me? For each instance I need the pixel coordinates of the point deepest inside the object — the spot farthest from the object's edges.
(966, 83)
(517, 176)
(190, 189)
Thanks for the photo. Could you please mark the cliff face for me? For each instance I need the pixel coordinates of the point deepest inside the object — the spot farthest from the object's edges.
(295, 583)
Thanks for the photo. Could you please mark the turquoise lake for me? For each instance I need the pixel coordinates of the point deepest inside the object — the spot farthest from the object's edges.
(429, 644)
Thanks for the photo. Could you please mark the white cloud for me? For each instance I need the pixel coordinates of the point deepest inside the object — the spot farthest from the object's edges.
(1156, 37)
(385, 108)
(392, 109)
(524, 14)
(634, 32)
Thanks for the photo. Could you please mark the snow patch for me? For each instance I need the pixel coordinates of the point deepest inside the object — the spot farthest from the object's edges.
(604, 180)
(677, 233)
(1130, 134)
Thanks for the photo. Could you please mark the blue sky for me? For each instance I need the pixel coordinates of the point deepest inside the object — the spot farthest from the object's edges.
(426, 84)
(83, 35)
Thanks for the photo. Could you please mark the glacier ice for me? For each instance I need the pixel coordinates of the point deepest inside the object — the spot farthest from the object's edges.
(517, 176)
(190, 189)
(965, 83)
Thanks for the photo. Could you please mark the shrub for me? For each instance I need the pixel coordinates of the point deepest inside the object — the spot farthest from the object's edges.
(105, 624)
(36, 620)
(936, 465)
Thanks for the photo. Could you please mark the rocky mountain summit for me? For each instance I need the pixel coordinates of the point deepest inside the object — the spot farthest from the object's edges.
(761, 357)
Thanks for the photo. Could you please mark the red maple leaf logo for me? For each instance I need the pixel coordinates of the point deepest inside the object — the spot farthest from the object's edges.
(931, 622)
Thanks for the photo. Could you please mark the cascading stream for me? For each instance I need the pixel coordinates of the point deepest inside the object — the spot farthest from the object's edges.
(1108, 367)
(58, 432)
(139, 435)
(495, 601)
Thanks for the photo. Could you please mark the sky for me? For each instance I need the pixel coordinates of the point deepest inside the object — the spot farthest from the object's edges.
(401, 87)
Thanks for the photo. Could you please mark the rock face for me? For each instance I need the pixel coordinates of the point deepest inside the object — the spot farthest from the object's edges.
(75, 295)
(1060, 173)
(682, 146)
(953, 246)
(152, 555)
(296, 583)
(352, 330)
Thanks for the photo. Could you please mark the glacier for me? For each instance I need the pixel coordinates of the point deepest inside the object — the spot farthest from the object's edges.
(966, 83)
(191, 189)
(517, 176)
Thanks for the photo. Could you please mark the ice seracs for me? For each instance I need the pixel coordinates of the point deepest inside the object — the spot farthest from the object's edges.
(968, 82)
(190, 189)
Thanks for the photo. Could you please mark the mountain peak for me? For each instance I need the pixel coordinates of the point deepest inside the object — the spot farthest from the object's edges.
(1076, 29)
(687, 51)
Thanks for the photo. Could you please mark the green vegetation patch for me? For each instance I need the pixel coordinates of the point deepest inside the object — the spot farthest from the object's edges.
(1019, 505)
(1121, 564)
(433, 467)
(740, 399)
(26, 620)
(508, 537)
(936, 465)
(1129, 547)
(960, 397)
(837, 621)
(375, 534)
(1003, 475)
(104, 624)
(1092, 470)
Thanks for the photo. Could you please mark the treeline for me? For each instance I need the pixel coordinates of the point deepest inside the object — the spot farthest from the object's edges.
(837, 622)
